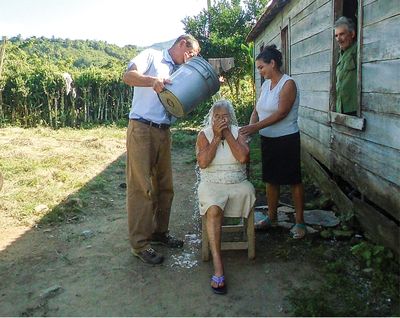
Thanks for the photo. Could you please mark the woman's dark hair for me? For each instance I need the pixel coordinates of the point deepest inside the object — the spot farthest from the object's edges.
(269, 53)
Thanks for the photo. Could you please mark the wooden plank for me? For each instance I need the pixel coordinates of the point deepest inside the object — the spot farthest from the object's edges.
(381, 77)
(377, 159)
(234, 246)
(378, 228)
(318, 100)
(348, 121)
(313, 81)
(316, 43)
(381, 40)
(366, 2)
(381, 103)
(272, 30)
(319, 21)
(380, 10)
(277, 41)
(327, 185)
(360, 43)
(251, 237)
(317, 62)
(305, 8)
(314, 115)
(315, 148)
(232, 228)
(316, 130)
(379, 128)
(378, 190)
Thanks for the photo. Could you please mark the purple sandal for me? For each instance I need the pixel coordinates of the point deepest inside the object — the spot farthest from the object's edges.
(220, 290)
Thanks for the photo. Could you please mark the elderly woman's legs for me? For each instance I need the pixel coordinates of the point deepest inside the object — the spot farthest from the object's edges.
(215, 217)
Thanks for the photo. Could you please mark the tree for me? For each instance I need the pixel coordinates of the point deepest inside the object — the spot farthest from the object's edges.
(222, 30)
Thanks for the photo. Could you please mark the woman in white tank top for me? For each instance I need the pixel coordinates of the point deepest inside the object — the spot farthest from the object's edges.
(275, 118)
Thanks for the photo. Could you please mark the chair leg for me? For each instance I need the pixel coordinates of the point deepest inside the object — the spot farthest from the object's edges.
(251, 252)
(205, 247)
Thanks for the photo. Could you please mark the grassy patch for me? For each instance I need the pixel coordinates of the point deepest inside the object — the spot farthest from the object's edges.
(43, 168)
(348, 287)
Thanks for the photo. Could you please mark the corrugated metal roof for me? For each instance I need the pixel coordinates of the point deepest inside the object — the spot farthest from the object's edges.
(272, 10)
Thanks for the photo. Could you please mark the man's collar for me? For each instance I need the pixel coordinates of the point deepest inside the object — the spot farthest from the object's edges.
(167, 57)
(349, 48)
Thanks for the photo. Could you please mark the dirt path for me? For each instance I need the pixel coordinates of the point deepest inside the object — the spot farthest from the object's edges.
(85, 268)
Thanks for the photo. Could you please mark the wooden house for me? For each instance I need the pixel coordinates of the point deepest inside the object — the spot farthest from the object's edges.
(356, 159)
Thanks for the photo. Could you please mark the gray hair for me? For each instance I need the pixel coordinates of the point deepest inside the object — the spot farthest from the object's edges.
(222, 103)
(191, 41)
(346, 22)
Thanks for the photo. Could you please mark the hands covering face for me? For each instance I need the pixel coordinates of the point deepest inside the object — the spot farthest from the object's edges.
(220, 125)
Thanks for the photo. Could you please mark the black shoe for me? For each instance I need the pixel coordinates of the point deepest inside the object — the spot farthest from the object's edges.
(149, 256)
(166, 240)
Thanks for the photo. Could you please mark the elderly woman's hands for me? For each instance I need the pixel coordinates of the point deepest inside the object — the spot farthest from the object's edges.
(220, 127)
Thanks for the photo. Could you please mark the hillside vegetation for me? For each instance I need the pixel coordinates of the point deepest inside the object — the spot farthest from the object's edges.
(61, 82)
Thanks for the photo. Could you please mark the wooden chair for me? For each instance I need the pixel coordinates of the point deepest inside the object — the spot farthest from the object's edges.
(247, 243)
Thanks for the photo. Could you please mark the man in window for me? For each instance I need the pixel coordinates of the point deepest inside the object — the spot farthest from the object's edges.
(346, 69)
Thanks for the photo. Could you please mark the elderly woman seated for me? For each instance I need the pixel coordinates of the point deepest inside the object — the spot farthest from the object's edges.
(222, 154)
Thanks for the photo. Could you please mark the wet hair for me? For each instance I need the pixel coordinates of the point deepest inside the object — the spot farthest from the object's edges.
(222, 103)
(346, 22)
(269, 53)
(190, 41)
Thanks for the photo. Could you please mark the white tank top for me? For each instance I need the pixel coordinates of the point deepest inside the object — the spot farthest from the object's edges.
(224, 168)
(268, 104)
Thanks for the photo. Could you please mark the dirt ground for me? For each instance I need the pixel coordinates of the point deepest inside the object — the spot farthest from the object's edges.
(84, 267)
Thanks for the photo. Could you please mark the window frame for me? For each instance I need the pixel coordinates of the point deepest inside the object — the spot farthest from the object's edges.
(285, 49)
(355, 122)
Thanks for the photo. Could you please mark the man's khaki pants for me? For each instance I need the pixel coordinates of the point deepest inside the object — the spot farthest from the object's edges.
(149, 182)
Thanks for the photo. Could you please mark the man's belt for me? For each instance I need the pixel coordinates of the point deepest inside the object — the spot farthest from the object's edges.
(152, 124)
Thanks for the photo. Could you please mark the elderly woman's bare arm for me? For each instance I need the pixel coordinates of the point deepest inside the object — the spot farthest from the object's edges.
(205, 151)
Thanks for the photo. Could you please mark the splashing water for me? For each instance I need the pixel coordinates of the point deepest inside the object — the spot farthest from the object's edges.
(188, 258)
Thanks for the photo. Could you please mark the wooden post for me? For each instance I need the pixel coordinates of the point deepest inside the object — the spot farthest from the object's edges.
(2, 55)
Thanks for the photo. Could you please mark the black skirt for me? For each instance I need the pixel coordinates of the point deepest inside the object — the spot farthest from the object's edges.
(281, 159)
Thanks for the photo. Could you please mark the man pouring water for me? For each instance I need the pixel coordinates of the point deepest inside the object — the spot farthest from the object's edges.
(148, 167)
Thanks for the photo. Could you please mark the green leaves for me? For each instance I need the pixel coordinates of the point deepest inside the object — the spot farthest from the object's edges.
(34, 91)
(372, 255)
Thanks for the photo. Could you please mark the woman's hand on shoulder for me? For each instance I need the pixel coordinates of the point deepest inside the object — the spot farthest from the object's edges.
(249, 130)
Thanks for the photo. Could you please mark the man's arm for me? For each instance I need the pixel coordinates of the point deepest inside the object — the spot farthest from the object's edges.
(132, 77)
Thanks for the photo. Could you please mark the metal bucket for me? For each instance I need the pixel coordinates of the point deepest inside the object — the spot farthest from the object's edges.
(192, 83)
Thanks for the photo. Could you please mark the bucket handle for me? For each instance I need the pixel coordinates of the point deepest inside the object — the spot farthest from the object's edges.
(206, 74)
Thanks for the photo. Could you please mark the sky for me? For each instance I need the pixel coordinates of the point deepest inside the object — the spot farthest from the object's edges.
(121, 22)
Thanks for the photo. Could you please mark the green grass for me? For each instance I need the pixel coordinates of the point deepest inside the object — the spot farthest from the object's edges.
(44, 167)
(348, 288)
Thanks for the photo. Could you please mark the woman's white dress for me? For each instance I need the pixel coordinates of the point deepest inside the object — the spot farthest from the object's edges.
(224, 182)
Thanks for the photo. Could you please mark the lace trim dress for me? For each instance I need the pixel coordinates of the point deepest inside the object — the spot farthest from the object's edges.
(224, 182)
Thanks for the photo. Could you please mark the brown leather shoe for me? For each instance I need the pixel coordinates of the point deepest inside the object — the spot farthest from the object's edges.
(149, 256)
(166, 240)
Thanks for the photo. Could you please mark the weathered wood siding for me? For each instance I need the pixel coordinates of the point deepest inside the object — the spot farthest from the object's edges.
(310, 44)
(368, 159)
(373, 155)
